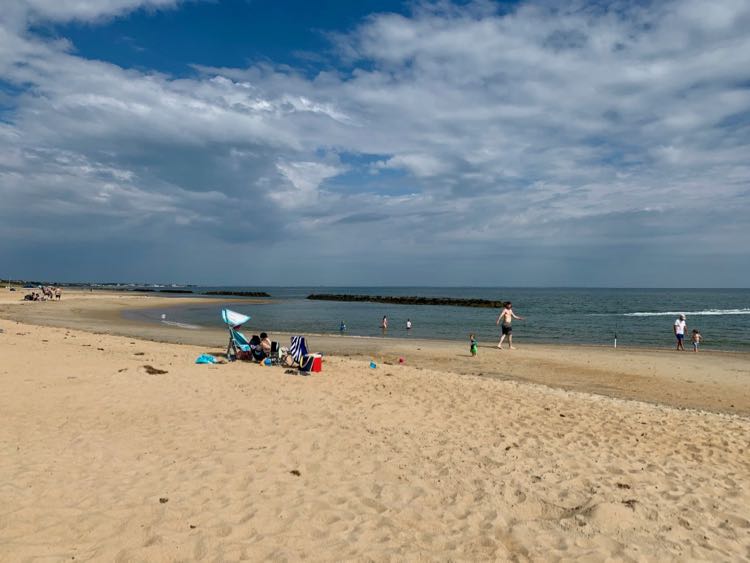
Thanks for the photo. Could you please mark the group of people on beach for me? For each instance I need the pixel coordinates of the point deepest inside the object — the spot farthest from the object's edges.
(680, 328)
(507, 315)
(45, 293)
(384, 324)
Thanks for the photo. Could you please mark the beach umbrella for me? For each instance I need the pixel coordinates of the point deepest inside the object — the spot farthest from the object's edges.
(233, 318)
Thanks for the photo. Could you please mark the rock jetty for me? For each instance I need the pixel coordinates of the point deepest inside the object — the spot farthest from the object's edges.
(238, 293)
(175, 291)
(412, 300)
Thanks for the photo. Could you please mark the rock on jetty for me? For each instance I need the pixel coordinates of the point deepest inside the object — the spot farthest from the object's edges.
(175, 291)
(238, 293)
(401, 300)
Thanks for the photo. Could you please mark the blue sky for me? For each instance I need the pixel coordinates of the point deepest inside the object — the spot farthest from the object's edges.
(376, 143)
(232, 33)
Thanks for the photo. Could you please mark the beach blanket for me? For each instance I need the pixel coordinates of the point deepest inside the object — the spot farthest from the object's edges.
(206, 359)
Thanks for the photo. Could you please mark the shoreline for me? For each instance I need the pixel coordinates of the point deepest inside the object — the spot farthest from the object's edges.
(403, 335)
(716, 381)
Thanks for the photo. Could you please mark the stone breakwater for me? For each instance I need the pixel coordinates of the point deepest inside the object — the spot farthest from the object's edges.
(408, 300)
(238, 293)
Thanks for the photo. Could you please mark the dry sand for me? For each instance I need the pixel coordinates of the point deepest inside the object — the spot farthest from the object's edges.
(100, 460)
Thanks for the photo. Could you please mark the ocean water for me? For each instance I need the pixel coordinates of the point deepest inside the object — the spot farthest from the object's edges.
(639, 317)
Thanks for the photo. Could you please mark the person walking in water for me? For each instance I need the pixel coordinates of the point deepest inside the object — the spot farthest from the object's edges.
(506, 316)
(680, 327)
(408, 324)
(384, 323)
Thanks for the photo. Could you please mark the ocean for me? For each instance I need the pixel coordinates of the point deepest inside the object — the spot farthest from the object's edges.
(639, 317)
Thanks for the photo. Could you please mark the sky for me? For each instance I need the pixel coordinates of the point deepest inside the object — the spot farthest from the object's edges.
(473, 143)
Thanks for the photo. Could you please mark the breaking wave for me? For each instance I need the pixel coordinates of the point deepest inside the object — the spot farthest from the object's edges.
(707, 312)
(181, 325)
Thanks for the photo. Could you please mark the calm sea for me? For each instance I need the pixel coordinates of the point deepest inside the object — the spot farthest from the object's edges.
(639, 317)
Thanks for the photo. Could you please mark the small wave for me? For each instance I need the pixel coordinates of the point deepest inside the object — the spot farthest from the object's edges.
(708, 312)
(181, 325)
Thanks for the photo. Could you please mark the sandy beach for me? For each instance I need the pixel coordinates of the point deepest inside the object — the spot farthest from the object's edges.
(545, 453)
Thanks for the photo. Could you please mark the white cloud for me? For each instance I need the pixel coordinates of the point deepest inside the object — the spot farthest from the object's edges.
(65, 10)
(544, 125)
(305, 178)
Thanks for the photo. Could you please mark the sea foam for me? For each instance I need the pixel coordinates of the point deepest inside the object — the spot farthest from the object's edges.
(181, 325)
(708, 312)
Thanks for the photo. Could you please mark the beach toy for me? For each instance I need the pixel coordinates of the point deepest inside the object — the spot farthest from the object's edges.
(205, 359)
(401, 360)
(373, 365)
(267, 361)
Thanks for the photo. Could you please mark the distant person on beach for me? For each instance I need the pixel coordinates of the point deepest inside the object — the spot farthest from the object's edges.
(506, 316)
(342, 327)
(408, 324)
(58, 293)
(680, 326)
(696, 338)
(472, 345)
(384, 323)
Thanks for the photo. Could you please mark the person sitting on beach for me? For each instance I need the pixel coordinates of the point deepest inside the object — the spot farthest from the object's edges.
(507, 315)
(265, 344)
(696, 338)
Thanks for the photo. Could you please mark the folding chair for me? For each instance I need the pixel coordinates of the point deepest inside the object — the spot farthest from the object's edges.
(239, 346)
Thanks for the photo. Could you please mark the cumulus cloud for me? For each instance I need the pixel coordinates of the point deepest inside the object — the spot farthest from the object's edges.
(475, 134)
(85, 10)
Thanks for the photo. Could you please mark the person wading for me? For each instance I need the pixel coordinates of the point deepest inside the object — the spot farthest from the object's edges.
(506, 316)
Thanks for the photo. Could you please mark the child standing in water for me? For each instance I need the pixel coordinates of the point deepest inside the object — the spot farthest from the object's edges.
(472, 345)
(696, 338)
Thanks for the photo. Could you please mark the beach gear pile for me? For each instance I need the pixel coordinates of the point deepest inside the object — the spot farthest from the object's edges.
(242, 348)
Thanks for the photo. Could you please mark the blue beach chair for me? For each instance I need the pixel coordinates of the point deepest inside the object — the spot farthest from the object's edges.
(239, 346)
